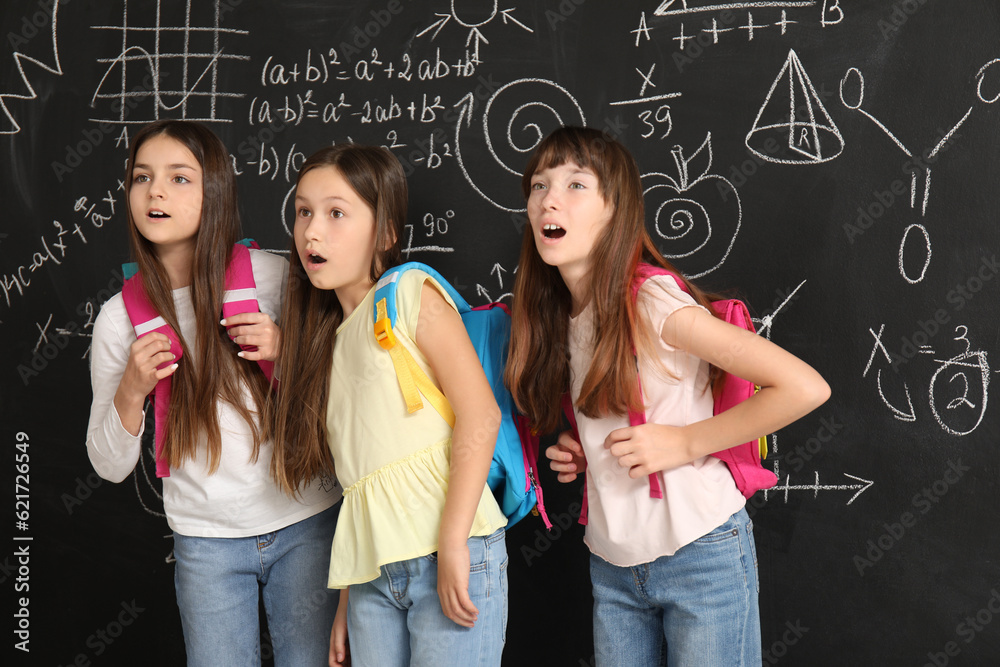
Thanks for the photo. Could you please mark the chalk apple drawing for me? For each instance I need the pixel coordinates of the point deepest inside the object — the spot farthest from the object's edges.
(696, 214)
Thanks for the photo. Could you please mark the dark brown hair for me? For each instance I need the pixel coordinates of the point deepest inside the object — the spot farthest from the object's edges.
(538, 363)
(214, 372)
(298, 411)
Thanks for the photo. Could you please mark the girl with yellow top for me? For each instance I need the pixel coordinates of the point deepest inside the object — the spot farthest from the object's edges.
(420, 541)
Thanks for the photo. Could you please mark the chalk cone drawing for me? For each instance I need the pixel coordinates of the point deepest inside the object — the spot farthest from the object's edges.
(793, 113)
(700, 214)
(515, 120)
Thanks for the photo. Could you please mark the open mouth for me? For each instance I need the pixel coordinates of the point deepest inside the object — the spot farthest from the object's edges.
(157, 215)
(316, 259)
(551, 231)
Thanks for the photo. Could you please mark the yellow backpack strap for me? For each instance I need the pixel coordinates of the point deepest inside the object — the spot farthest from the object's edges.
(412, 379)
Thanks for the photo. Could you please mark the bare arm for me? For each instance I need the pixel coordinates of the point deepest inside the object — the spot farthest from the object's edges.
(790, 389)
(443, 340)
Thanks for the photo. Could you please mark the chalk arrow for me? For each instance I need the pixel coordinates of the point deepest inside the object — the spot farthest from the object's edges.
(467, 102)
(816, 487)
(506, 16)
(499, 271)
(479, 37)
(910, 416)
(481, 291)
(440, 23)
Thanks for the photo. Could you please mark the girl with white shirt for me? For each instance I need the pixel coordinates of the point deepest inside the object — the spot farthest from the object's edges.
(235, 531)
(674, 578)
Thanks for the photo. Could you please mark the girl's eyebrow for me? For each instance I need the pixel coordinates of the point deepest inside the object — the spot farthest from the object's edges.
(330, 198)
(169, 166)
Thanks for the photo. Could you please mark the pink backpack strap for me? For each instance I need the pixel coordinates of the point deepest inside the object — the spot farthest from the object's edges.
(145, 320)
(240, 297)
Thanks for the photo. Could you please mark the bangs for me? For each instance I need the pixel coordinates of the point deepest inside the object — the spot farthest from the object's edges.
(582, 146)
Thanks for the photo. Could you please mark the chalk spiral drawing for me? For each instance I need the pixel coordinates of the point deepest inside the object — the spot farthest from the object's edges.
(683, 219)
(197, 69)
(19, 59)
(797, 117)
(519, 134)
(855, 80)
(475, 35)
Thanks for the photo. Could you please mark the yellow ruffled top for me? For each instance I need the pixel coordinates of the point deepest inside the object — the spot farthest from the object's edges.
(394, 466)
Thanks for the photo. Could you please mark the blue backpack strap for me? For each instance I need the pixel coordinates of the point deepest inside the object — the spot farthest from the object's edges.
(387, 284)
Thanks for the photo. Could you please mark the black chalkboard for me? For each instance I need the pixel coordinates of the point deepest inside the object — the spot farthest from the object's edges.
(843, 152)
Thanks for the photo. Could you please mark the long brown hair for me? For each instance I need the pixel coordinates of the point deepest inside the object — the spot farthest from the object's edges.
(298, 411)
(213, 372)
(538, 363)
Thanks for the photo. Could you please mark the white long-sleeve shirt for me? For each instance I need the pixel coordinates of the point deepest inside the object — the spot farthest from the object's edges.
(239, 499)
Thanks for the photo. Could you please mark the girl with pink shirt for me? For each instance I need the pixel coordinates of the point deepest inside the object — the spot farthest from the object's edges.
(674, 578)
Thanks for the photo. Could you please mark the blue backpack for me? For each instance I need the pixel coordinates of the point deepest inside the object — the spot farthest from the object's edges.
(513, 478)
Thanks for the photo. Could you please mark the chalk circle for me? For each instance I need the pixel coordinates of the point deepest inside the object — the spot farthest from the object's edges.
(970, 360)
(476, 9)
(994, 80)
(789, 137)
(927, 251)
(684, 223)
(860, 88)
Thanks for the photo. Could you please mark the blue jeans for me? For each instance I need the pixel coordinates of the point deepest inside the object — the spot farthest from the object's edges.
(396, 620)
(218, 580)
(697, 607)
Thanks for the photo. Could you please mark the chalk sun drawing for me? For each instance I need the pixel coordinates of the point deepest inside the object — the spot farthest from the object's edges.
(697, 223)
(529, 110)
(19, 60)
(194, 68)
(794, 113)
(475, 35)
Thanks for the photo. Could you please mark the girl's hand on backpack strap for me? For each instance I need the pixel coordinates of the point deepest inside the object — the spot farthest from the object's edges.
(453, 585)
(649, 448)
(567, 457)
(254, 329)
(340, 653)
(141, 376)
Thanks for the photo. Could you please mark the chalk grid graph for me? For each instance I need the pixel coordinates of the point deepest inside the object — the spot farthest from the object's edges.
(153, 53)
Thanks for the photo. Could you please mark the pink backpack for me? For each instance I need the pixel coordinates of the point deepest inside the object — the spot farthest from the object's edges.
(743, 460)
(240, 297)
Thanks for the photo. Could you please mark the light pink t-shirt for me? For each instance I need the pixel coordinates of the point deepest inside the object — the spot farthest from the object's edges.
(625, 526)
